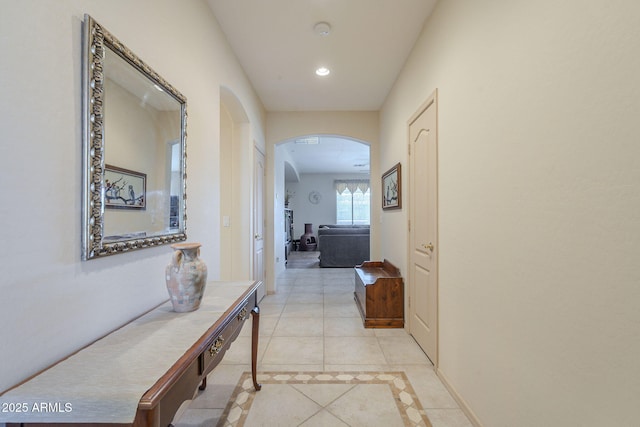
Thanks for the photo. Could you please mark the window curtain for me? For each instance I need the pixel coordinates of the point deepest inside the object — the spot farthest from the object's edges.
(352, 185)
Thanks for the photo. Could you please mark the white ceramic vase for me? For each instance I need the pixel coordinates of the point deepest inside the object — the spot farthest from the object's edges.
(186, 277)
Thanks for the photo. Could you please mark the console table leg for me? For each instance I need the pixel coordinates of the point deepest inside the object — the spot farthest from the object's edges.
(203, 385)
(255, 314)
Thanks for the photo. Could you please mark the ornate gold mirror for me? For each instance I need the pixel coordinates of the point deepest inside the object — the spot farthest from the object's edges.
(134, 148)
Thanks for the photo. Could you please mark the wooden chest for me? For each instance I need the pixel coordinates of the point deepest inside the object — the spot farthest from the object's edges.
(379, 294)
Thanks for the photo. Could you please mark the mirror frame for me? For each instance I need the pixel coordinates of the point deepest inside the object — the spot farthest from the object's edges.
(96, 39)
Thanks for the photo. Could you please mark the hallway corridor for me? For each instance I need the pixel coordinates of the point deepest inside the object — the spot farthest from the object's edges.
(312, 326)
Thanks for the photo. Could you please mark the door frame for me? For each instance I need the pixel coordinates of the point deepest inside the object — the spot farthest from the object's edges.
(258, 230)
(431, 100)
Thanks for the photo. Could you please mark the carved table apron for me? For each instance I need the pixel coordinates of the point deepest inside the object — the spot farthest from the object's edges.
(140, 374)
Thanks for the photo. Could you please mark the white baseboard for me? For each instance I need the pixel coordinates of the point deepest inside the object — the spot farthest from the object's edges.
(461, 402)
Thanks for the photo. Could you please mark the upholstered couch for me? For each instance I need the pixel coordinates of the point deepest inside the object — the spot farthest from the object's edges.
(343, 245)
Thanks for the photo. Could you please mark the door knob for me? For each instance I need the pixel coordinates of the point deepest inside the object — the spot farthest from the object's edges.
(429, 246)
(257, 236)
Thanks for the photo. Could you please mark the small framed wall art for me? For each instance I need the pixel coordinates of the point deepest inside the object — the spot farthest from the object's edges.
(124, 189)
(392, 188)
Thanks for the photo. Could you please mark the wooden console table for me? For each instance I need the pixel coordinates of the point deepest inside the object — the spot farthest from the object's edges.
(379, 294)
(140, 374)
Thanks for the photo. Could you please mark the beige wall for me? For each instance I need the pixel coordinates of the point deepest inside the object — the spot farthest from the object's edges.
(237, 178)
(54, 302)
(226, 194)
(538, 204)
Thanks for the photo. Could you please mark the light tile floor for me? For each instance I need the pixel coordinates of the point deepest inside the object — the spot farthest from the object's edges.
(312, 324)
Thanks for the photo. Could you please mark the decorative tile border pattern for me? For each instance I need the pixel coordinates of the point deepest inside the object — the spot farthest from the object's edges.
(406, 400)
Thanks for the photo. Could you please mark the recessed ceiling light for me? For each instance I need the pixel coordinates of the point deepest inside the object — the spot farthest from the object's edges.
(323, 71)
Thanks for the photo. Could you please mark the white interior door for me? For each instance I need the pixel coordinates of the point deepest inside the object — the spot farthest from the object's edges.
(258, 220)
(423, 234)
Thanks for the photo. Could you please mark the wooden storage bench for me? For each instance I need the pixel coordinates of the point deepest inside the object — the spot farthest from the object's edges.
(379, 294)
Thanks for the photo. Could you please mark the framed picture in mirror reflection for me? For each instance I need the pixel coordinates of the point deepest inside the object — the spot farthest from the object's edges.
(124, 188)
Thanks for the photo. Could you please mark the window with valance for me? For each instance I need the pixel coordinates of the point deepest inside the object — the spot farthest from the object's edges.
(353, 198)
(352, 185)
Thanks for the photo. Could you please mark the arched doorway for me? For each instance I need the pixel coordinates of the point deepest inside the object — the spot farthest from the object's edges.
(307, 169)
(283, 127)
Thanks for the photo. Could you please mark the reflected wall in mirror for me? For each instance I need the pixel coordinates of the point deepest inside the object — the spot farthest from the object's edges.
(134, 151)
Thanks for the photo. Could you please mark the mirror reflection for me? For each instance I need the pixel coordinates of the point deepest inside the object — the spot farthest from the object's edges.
(134, 151)
(142, 155)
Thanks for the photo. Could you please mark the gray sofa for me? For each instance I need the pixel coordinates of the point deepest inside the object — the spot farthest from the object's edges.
(343, 245)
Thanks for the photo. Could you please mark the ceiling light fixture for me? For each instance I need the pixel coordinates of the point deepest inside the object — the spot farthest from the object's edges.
(323, 71)
(323, 29)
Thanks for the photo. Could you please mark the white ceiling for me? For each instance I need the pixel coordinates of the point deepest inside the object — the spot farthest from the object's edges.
(367, 47)
(331, 154)
(277, 47)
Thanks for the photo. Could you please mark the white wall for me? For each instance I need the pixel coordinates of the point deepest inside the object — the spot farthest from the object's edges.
(304, 211)
(317, 214)
(538, 204)
(51, 303)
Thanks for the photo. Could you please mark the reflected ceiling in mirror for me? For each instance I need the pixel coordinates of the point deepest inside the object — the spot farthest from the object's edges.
(134, 151)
